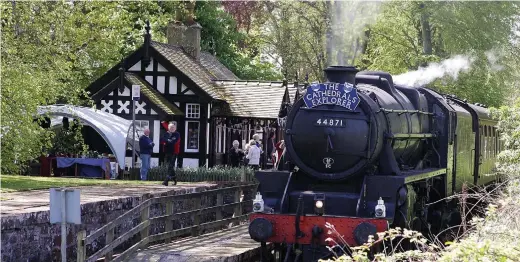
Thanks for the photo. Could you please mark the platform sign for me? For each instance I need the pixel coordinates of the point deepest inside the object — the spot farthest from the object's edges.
(72, 206)
(344, 95)
(136, 92)
(65, 209)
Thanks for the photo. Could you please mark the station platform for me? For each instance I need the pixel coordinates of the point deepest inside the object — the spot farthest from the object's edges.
(229, 245)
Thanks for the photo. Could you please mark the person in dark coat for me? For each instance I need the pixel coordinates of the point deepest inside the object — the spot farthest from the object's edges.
(235, 154)
(171, 142)
(146, 147)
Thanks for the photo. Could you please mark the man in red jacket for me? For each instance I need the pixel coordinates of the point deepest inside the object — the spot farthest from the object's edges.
(171, 142)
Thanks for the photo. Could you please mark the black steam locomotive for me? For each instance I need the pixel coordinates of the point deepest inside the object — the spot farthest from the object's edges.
(368, 155)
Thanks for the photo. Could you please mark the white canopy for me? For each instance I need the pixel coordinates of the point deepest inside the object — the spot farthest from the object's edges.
(116, 130)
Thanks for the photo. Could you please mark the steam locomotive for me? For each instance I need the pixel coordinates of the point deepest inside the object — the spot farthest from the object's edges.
(368, 155)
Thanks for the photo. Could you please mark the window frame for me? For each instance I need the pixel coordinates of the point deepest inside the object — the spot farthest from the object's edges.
(191, 150)
(190, 114)
(138, 130)
(139, 127)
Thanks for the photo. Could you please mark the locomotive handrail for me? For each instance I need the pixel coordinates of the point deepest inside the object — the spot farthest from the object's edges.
(404, 136)
(403, 111)
(329, 110)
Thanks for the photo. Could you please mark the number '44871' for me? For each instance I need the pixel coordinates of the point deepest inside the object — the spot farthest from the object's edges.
(330, 122)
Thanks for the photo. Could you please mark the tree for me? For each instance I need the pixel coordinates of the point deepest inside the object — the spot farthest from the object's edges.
(232, 47)
(244, 12)
(304, 37)
(50, 51)
(410, 34)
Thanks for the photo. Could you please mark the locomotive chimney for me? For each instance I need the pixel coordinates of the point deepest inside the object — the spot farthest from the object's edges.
(341, 74)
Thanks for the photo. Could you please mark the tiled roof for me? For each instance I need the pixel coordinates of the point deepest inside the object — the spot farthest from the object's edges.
(154, 96)
(216, 68)
(254, 98)
(188, 66)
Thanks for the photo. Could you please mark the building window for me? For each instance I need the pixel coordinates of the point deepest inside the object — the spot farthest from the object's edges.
(141, 125)
(192, 111)
(192, 136)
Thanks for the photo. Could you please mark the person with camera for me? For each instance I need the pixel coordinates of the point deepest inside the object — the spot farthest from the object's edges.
(146, 147)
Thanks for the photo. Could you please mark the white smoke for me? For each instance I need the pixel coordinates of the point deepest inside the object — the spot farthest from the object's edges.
(349, 20)
(493, 56)
(424, 75)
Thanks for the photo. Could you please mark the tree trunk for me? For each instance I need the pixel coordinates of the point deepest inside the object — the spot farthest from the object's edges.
(426, 30)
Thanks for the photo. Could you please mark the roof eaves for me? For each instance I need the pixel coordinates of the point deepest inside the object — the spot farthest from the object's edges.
(153, 95)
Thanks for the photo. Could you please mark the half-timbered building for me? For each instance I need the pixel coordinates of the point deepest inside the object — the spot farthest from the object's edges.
(178, 82)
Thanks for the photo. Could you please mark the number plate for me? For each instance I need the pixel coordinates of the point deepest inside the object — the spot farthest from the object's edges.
(331, 122)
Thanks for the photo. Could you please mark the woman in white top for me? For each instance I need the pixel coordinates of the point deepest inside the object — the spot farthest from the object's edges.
(253, 155)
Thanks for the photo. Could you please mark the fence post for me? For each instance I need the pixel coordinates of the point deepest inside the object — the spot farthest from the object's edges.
(109, 238)
(196, 217)
(220, 202)
(169, 221)
(238, 206)
(82, 249)
(243, 175)
(145, 215)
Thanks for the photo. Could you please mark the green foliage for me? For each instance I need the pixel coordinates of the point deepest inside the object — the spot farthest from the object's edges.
(423, 250)
(293, 36)
(217, 173)
(509, 123)
(52, 50)
(482, 31)
(232, 47)
(12, 183)
(305, 37)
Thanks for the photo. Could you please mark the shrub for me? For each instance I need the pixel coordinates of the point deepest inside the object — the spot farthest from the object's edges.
(217, 173)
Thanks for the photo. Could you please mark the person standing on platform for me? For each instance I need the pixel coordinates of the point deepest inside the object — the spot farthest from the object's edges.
(172, 142)
(235, 154)
(253, 156)
(146, 147)
(280, 155)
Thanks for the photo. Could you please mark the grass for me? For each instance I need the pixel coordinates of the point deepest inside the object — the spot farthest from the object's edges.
(10, 183)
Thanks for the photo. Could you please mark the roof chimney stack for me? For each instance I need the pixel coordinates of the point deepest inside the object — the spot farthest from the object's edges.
(186, 36)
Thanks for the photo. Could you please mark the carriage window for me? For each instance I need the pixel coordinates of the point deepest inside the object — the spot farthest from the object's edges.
(481, 139)
(495, 139)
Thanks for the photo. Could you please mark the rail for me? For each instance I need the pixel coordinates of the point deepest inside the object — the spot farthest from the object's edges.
(143, 228)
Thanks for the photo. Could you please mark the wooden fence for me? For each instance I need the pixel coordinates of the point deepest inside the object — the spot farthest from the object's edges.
(143, 228)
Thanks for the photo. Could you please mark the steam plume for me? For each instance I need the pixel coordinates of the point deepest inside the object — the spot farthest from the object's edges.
(425, 75)
(493, 56)
(349, 21)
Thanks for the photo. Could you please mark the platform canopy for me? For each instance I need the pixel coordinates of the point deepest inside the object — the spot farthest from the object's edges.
(116, 130)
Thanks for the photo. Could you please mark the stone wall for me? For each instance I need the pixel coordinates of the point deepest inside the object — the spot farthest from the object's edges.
(30, 236)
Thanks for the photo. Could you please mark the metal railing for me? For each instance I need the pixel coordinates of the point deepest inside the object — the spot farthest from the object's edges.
(143, 228)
